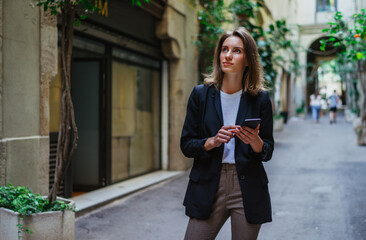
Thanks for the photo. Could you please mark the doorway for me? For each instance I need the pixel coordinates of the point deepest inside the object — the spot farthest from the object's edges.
(86, 95)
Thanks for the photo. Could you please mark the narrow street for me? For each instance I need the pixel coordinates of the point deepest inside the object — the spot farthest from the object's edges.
(317, 186)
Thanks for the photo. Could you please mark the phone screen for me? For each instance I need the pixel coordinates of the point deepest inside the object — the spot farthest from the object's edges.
(251, 122)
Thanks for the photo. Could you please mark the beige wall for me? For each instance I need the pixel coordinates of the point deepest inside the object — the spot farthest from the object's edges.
(24, 95)
(178, 30)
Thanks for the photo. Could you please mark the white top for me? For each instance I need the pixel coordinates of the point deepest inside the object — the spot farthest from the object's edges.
(230, 105)
(315, 101)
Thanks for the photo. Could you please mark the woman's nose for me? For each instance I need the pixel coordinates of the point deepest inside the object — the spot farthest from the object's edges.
(228, 55)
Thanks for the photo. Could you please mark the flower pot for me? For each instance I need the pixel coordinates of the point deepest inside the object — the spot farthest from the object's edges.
(284, 114)
(301, 115)
(361, 137)
(57, 225)
(278, 124)
(349, 115)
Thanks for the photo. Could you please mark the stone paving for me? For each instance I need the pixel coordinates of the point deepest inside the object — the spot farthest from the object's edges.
(317, 186)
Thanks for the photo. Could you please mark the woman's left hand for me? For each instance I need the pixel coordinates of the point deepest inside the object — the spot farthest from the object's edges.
(250, 136)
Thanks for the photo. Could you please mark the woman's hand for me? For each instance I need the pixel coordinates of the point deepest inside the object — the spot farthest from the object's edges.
(250, 136)
(224, 135)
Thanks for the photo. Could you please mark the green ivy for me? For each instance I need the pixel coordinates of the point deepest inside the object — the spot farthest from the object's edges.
(350, 40)
(349, 36)
(212, 16)
(87, 7)
(138, 3)
(54, 6)
(23, 201)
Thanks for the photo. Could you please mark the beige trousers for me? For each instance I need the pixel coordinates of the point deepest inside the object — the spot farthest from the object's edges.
(228, 203)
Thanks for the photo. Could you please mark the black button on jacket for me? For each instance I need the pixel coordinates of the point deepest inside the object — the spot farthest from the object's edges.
(203, 120)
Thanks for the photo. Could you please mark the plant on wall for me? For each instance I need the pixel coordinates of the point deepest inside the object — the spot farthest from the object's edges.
(285, 53)
(345, 69)
(285, 56)
(212, 16)
(246, 14)
(350, 38)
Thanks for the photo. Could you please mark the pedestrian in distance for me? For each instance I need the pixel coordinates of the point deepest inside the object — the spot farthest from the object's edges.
(315, 103)
(228, 178)
(333, 103)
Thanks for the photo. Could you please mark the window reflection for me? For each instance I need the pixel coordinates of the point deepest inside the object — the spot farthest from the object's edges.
(135, 120)
(326, 5)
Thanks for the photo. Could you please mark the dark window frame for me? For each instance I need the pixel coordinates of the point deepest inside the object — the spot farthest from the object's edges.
(324, 6)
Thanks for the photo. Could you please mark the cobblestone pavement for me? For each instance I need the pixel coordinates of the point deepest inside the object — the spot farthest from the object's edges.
(317, 186)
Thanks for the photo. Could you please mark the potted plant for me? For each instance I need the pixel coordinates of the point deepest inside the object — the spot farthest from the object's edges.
(278, 119)
(25, 215)
(278, 122)
(300, 112)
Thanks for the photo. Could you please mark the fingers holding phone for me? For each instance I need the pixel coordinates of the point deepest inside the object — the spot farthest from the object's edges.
(251, 122)
(249, 130)
(224, 135)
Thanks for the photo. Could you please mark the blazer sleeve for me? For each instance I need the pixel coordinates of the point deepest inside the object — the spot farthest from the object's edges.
(265, 130)
(191, 144)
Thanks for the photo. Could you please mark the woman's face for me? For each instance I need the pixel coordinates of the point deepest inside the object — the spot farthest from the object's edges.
(232, 57)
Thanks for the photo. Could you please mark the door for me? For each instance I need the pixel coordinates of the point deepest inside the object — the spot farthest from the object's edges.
(86, 95)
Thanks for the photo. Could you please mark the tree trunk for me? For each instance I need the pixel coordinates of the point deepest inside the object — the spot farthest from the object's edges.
(67, 128)
(350, 99)
(361, 67)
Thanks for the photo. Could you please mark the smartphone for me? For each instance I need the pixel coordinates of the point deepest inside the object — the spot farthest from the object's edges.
(251, 122)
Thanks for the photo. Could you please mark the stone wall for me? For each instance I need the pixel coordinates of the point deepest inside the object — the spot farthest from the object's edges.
(178, 30)
(29, 43)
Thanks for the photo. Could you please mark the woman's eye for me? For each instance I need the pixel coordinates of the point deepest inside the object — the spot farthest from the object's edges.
(224, 49)
(237, 51)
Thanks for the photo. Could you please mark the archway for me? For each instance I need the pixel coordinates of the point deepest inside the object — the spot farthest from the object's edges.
(318, 66)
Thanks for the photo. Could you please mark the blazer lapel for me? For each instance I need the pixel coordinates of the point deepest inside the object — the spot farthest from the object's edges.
(243, 107)
(217, 103)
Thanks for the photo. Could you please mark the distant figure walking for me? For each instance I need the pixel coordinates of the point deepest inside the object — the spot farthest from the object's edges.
(315, 103)
(333, 103)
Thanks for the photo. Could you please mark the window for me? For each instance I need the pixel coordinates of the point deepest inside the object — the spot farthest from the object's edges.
(326, 5)
(135, 116)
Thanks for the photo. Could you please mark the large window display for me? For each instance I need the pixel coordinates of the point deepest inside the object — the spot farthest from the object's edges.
(116, 96)
(135, 130)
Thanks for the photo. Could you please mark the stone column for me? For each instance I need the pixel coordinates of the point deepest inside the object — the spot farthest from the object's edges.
(2, 145)
(29, 55)
(178, 30)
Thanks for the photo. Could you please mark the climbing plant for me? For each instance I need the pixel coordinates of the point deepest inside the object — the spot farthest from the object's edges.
(213, 15)
(349, 35)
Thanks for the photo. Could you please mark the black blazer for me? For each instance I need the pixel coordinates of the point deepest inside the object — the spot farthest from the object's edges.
(203, 120)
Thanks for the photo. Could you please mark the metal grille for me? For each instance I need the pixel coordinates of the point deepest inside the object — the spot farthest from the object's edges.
(53, 152)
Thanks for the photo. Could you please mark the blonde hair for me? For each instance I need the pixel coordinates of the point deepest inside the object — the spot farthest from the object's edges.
(253, 79)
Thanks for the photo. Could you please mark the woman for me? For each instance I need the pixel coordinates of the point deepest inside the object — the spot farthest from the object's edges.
(315, 103)
(227, 178)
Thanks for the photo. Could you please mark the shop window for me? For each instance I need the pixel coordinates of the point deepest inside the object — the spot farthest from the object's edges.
(135, 120)
(326, 5)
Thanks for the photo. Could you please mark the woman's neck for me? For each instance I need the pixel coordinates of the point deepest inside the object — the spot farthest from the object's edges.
(232, 83)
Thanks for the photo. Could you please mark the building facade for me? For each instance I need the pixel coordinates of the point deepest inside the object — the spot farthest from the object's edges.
(307, 19)
(132, 73)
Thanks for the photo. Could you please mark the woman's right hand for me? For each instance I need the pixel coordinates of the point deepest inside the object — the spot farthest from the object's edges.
(224, 135)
